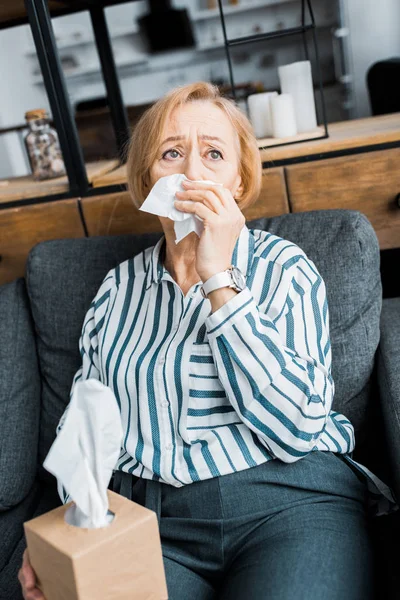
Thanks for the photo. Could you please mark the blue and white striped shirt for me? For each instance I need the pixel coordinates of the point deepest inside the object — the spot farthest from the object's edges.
(202, 395)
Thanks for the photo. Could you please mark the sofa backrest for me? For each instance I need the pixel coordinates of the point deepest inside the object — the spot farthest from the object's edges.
(20, 391)
(63, 277)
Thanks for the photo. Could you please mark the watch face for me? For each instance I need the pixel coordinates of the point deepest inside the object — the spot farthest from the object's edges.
(238, 278)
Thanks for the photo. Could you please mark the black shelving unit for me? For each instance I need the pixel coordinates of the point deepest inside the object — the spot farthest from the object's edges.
(303, 29)
(40, 21)
(38, 14)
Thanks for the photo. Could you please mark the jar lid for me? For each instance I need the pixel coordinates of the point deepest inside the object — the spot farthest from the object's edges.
(37, 113)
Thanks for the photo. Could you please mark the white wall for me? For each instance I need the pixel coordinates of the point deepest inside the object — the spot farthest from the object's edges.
(16, 97)
(374, 35)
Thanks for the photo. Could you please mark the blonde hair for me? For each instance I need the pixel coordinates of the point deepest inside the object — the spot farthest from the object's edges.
(146, 139)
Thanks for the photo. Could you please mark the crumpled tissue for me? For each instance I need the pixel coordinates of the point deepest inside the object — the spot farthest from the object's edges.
(85, 452)
(160, 201)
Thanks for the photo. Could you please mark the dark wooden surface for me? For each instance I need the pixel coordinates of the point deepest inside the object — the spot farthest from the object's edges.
(22, 228)
(114, 214)
(366, 182)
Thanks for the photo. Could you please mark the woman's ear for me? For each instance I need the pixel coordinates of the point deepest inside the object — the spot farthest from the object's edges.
(239, 190)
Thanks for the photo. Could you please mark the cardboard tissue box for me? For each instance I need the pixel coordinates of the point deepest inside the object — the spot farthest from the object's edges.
(100, 546)
(121, 561)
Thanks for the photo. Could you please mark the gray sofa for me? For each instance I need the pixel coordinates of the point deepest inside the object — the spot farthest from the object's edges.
(40, 322)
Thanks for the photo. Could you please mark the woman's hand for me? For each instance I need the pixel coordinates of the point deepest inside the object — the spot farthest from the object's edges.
(27, 579)
(223, 222)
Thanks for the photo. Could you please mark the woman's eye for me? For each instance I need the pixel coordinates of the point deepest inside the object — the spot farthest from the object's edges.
(170, 152)
(216, 152)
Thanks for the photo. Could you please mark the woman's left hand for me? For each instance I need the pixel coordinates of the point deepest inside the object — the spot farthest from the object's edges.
(222, 220)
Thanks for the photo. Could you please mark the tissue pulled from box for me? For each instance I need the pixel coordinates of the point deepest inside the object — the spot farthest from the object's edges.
(85, 452)
(160, 201)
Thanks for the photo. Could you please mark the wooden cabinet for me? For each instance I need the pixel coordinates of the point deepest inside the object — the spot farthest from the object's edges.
(367, 182)
(273, 200)
(22, 228)
(114, 214)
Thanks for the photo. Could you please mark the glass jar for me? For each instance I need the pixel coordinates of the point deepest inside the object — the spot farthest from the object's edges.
(43, 146)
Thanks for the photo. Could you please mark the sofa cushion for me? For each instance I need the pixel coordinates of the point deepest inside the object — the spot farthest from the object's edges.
(64, 275)
(19, 396)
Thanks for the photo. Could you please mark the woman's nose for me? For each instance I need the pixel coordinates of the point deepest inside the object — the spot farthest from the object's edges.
(194, 168)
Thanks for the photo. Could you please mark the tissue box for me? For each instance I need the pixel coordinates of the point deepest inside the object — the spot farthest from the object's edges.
(120, 562)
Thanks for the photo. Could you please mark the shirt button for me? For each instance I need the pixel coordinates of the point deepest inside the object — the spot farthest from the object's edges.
(164, 403)
(179, 484)
(161, 360)
(168, 446)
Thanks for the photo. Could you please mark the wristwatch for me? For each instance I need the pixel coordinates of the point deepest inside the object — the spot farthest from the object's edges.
(232, 278)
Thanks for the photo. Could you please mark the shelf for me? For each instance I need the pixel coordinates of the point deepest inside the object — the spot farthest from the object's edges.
(83, 41)
(115, 177)
(343, 136)
(20, 188)
(96, 70)
(271, 141)
(212, 13)
(199, 15)
(12, 12)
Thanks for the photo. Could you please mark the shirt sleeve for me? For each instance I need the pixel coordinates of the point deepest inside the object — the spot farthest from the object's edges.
(273, 356)
(88, 348)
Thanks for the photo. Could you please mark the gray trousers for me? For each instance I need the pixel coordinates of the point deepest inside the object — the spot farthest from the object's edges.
(273, 532)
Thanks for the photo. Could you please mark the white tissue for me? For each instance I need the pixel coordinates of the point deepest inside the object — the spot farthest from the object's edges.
(160, 201)
(86, 451)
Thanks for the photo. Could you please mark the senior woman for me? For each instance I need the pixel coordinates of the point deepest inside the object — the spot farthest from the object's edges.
(226, 399)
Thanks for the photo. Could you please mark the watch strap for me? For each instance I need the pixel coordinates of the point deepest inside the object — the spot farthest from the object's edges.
(215, 282)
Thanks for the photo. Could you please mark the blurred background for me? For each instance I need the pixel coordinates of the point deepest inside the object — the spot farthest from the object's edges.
(352, 36)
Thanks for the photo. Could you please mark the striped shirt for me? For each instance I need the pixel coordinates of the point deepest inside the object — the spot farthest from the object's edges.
(204, 394)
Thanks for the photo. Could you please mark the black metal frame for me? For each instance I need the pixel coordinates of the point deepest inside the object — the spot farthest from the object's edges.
(119, 115)
(40, 21)
(303, 29)
(49, 60)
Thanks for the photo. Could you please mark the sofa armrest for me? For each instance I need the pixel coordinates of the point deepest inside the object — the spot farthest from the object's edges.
(388, 362)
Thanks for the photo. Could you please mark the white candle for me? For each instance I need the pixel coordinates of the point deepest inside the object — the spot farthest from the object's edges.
(283, 116)
(260, 113)
(296, 79)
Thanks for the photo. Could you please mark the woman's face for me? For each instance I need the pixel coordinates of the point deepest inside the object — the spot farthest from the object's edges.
(200, 142)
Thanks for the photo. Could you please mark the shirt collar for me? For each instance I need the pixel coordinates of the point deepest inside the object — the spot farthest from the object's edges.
(242, 257)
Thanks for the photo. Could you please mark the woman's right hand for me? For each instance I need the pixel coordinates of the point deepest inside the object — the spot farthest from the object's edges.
(27, 579)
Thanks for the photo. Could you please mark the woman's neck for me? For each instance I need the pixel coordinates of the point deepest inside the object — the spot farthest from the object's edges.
(179, 259)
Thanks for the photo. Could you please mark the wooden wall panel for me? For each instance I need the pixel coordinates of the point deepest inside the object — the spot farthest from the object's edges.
(366, 182)
(273, 200)
(22, 228)
(114, 214)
